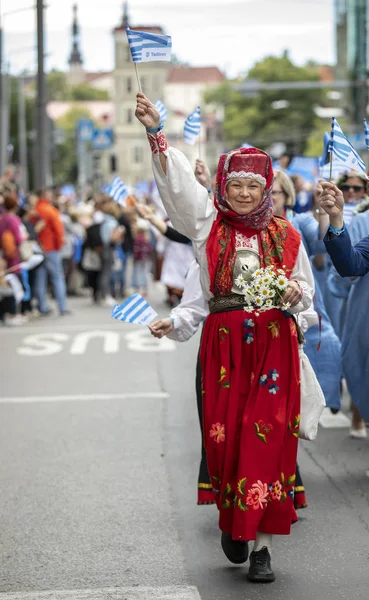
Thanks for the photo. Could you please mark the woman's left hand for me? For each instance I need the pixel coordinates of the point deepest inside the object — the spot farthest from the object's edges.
(292, 295)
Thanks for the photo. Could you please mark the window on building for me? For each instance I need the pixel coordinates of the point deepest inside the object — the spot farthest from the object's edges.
(137, 155)
(129, 84)
(129, 115)
(144, 84)
(120, 114)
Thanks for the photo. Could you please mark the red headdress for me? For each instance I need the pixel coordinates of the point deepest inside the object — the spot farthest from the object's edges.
(272, 231)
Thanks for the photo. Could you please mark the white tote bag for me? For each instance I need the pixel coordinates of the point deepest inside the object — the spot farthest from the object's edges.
(312, 399)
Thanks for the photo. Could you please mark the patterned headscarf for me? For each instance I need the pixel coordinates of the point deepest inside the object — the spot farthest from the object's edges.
(272, 231)
(245, 163)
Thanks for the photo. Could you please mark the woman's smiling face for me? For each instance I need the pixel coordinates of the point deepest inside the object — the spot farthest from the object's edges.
(244, 195)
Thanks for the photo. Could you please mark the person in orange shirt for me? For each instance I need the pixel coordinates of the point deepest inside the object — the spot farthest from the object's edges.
(51, 239)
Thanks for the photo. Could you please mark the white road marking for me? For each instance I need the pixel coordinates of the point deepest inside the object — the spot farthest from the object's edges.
(83, 398)
(123, 593)
(49, 343)
(330, 421)
(111, 341)
(54, 326)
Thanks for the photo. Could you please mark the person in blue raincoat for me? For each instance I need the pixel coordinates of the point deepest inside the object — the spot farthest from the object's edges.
(326, 360)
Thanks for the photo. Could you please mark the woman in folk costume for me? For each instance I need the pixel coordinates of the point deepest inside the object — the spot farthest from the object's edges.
(250, 362)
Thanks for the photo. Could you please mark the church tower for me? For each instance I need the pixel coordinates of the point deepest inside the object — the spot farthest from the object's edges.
(76, 73)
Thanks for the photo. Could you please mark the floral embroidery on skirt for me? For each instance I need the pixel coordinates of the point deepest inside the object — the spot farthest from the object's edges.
(251, 408)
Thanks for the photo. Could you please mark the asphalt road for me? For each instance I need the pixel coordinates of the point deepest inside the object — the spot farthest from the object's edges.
(100, 444)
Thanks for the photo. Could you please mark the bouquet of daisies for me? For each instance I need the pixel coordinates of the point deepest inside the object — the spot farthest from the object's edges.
(263, 289)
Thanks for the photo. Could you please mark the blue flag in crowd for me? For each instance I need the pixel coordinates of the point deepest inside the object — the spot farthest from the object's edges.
(324, 158)
(342, 150)
(163, 112)
(192, 127)
(119, 191)
(134, 310)
(366, 129)
(149, 47)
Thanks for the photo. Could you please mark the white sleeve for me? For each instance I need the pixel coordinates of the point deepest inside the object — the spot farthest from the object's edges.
(192, 310)
(186, 201)
(303, 273)
(308, 318)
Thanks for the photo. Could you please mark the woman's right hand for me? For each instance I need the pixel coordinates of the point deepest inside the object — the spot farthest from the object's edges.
(161, 328)
(147, 113)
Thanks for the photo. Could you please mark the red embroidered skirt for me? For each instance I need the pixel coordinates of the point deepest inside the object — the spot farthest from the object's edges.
(251, 404)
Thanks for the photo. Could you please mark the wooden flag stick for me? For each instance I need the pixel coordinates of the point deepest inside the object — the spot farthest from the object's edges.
(330, 166)
(138, 78)
(200, 158)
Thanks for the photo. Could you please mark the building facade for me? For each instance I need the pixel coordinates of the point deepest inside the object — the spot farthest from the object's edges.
(352, 52)
(133, 160)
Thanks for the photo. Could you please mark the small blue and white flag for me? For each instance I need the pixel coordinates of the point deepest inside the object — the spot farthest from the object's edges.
(134, 310)
(192, 127)
(163, 112)
(118, 191)
(149, 47)
(342, 150)
(366, 130)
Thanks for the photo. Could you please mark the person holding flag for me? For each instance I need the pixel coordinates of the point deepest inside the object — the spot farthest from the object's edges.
(250, 360)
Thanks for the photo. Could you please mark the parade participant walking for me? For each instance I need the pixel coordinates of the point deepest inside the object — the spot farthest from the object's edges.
(250, 361)
(322, 345)
(351, 261)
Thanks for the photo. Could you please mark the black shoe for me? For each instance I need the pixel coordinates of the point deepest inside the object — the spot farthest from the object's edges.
(260, 570)
(236, 552)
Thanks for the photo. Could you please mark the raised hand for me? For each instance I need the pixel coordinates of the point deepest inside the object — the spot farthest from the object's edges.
(202, 174)
(332, 202)
(146, 112)
(144, 211)
(161, 328)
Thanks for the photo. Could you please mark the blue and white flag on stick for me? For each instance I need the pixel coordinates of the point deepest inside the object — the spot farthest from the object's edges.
(149, 47)
(134, 310)
(342, 150)
(366, 130)
(192, 127)
(118, 191)
(163, 112)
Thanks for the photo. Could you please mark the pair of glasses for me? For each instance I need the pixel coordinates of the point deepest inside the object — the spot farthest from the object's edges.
(356, 188)
(275, 193)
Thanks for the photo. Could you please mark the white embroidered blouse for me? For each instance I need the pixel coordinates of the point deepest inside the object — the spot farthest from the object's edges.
(192, 213)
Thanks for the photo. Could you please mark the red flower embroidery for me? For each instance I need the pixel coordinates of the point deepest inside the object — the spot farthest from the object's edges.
(276, 490)
(217, 432)
(153, 143)
(162, 141)
(257, 495)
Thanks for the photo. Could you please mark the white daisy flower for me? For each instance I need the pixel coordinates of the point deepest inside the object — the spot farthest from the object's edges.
(264, 292)
(257, 273)
(269, 303)
(258, 301)
(282, 282)
(239, 281)
(286, 305)
(271, 293)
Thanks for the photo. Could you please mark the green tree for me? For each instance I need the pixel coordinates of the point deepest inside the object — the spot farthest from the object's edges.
(57, 88)
(85, 92)
(65, 163)
(271, 116)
